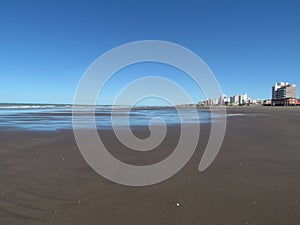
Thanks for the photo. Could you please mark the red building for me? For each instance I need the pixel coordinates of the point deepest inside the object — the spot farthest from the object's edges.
(286, 102)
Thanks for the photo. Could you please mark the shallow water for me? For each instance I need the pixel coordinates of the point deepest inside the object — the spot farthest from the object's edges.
(55, 117)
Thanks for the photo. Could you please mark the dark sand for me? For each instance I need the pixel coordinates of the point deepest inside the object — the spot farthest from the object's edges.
(254, 180)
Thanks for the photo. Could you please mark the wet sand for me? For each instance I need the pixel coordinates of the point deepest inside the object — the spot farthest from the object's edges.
(254, 180)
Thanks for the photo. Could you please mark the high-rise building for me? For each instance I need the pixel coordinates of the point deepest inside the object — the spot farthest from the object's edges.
(284, 90)
(224, 100)
(284, 93)
(243, 99)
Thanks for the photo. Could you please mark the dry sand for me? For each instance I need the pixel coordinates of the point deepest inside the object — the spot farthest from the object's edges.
(254, 180)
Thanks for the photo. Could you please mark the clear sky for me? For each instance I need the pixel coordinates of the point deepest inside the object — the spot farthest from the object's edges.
(45, 46)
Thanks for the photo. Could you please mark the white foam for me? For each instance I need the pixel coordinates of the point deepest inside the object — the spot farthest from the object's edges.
(235, 114)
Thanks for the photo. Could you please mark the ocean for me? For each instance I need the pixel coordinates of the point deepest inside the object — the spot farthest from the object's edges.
(58, 117)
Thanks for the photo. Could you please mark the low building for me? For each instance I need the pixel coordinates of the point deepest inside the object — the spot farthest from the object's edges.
(267, 102)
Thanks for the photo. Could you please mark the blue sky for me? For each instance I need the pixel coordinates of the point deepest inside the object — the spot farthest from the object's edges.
(47, 45)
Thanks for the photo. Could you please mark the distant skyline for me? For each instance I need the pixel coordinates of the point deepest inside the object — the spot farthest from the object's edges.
(47, 45)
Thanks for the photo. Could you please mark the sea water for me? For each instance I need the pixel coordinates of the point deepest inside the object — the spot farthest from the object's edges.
(56, 117)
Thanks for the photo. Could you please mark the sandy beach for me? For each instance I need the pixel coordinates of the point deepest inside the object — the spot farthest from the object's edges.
(254, 180)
